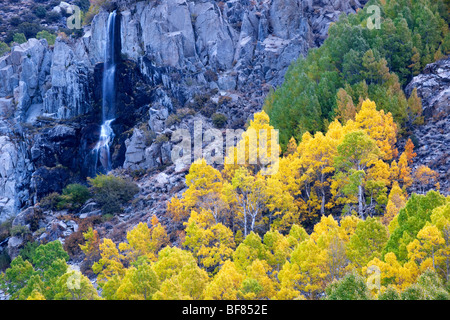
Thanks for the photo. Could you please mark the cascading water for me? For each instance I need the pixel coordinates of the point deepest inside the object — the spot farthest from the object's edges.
(102, 149)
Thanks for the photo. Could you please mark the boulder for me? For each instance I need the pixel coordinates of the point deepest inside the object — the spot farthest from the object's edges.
(14, 246)
(26, 217)
(135, 153)
(157, 117)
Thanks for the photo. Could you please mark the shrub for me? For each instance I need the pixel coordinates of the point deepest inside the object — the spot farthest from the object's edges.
(73, 197)
(199, 101)
(112, 192)
(107, 217)
(28, 250)
(18, 231)
(389, 294)
(5, 260)
(224, 100)
(161, 138)
(351, 287)
(30, 30)
(172, 119)
(44, 34)
(19, 38)
(210, 76)
(83, 4)
(149, 135)
(34, 219)
(50, 201)
(94, 9)
(208, 110)
(29, 17)
(40, 12)
(53, 17)
(72, 244)
(184, 112)
(238, 123)
(5, 228)
(4, 48)
(138, 173)
(15, 21)
(219, 120)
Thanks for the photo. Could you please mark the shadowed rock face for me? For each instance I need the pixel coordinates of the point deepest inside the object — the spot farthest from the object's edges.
(173, 54)
(433, 138)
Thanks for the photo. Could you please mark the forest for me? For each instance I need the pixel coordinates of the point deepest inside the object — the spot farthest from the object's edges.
(333, 218)
(357, 63)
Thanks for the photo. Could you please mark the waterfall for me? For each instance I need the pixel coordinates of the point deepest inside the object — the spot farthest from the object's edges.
(102, 149)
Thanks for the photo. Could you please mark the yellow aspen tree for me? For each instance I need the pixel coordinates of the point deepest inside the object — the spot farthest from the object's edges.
(424, 176)
(290, 282)
(327, 236)
(188, 284)
(392, 272)
(251, 197)
(318, 158)
(36, 295)
(355, 154)
(171, 261)
(259, 271)
(249, 250)
(404, 170)
(226, 283)
(377, 181)
(205, 185)
(427, 245)
(367, 242)
(211, 243)
(138, 243)
(73, 285)
(278, 248)
(159, 237)
(109, 268)
(139, 283)
(347, 227)
(176, 209)
(380, 127)
(312, 273)
(336, 131)
(280, 204)
(249, 153)
(396, 201)
(394, 171)
(345, 109)
(296, 235)
(291, 147)
(91, 245)
(415, 108)
(409, 150)
(441, 219)
(144, 241)
(110, 263)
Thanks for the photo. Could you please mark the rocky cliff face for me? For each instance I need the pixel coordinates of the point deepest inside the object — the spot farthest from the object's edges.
(185, 58)
(433, 138)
